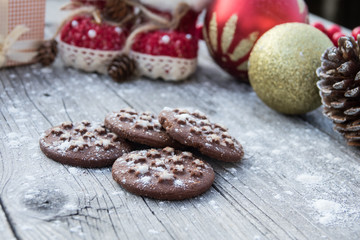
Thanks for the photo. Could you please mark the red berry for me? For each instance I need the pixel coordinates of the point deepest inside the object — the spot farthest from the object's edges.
(332, 30)
(335, 38)
(83, 31)
(167, 43)
(355, 32)
(319, 26)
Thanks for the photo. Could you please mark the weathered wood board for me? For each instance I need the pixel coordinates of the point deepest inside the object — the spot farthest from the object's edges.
(298, 179)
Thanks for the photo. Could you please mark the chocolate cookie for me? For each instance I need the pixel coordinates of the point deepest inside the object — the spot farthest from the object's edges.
(194, 129)
(83, 144)
(163, 174)
(143, 128)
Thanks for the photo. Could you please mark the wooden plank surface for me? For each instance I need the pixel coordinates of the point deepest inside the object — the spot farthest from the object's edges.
(298, 179)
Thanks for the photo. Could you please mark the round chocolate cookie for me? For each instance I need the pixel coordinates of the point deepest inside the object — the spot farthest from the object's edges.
(163, 174)
(83, 144)
(194, 129)
(143, 128)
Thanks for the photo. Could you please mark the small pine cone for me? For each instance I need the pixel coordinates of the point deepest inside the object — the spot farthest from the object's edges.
(47, 52)
(339, 86)
(116, 10)
(121, 68)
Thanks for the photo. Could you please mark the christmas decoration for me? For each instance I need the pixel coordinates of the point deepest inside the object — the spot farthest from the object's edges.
(96, 3)
(167, 9)
(170, 55)
(282, 67)
(47, 52)
(166, 45)
(21, 31)
(232, 27)
(83, 31)
(88, 45)
(121, 68)
(116, 10)
(339, 86)
(355, 32)
(333, 32)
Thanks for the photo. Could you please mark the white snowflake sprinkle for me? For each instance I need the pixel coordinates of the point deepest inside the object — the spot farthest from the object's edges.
(145, 180)
(166, 175)
(178, 183)
(142, 169)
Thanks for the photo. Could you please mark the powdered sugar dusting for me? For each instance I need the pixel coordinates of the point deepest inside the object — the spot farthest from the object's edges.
(145, 180)
(153, 231)
(179, 183)
(309, 179)
(329, 211)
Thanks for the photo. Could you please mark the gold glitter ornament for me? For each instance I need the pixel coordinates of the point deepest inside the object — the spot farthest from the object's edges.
(282, 67)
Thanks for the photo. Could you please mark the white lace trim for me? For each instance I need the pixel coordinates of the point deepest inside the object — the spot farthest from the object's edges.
(167, 68)
(86, 59)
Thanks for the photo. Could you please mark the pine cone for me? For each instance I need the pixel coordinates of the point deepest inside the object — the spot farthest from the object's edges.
(121, 68)
(47, 52)
(339, 86)
(116, 10)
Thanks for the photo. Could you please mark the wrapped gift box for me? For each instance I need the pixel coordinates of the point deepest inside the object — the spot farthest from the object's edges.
(30, 15)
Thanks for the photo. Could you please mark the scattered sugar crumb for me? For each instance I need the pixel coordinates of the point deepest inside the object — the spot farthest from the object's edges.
(30, 178)
(13, 110)
(232, 170)
(213, 204)
(117, 193)
(74, 170)
(276, 152)
(46, 70)
(70, 207)
(77, 229)
(277, 196)
(14, 144)
(309, 179)
(13, 135)
(328, 211)
(153, 231)
(26, 227)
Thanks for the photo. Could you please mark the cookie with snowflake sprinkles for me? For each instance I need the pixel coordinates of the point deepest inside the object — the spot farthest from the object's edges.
(139, 127)
(165, 174)
(88, 45)
(83, 144)
(195, 130)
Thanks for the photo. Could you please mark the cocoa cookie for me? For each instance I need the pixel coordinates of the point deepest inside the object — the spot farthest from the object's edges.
(83, 144)
(143, 128)
(194, 129)
(165, 174)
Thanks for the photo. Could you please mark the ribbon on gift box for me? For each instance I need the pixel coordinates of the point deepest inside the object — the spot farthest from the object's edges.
(10, 48)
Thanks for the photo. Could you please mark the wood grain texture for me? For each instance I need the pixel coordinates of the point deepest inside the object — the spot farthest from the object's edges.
(298, 179)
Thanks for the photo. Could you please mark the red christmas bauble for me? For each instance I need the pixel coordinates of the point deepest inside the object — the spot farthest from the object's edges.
(232, 27)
